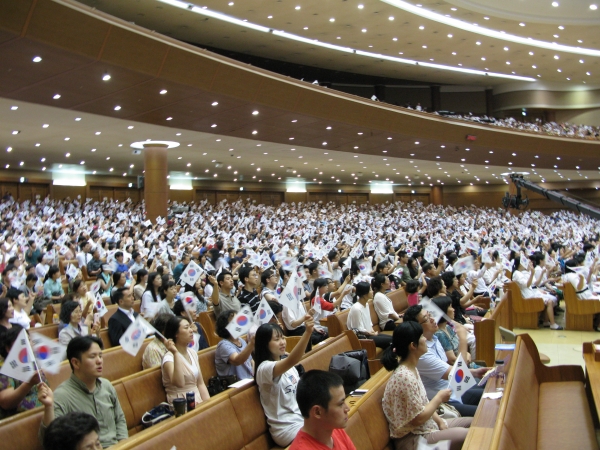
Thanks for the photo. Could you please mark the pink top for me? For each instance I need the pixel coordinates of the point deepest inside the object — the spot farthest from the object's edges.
(413, 299)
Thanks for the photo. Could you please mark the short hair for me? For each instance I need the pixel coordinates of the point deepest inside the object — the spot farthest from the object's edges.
(66, 310)
(402, 254)
(443, 303)
(66, 432)
(118, 254)
(222, 276)
(160, 322)
(426, 267)
(312, 267)
(135, 254)
(81, 344)
(314, 388)
(410, 315)
(3, 306)
(412, 286)
(118, 295)
(222, 322)
(244, 273)
(264, 278)
(172, 327)
(448, 278)
(434, 286)
(13, 293)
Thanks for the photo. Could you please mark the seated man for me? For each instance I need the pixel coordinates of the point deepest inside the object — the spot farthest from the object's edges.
(322, 402)
(123, 317)
(434, 368)
(73, 431)
(85, 392)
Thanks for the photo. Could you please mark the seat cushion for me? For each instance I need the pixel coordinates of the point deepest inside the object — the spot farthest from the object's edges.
(564, 418)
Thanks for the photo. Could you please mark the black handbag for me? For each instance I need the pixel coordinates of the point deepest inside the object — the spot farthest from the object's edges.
(219, 384)
(352, 367)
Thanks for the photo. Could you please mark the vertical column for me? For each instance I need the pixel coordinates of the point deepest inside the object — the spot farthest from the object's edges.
(156, 190)
(489, 102)
(436, 98)
(437, 195)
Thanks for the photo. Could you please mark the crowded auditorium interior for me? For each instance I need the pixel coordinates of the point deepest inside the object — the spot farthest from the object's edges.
(261, 225)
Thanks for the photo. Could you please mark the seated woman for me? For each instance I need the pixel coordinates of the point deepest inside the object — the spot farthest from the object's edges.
(180, 368)
(70, 315)
(6, 313)
(53, 290)
(454, 337)
(524, 279)
(15, 396)
(388, 318)
(179, 310)
(359, 318)
(233, 356)
(83, 296)
(156, 350)
(22, 305)
(277, 380)
(405, 404)
(580, 282)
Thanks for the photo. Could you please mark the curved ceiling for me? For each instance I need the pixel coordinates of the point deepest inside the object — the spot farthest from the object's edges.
(376, 27)
(567, 12)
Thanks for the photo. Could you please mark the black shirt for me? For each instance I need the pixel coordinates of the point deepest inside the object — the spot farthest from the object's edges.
(249, 298)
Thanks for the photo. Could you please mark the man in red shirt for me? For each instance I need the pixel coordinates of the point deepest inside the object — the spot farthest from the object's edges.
(322, 402)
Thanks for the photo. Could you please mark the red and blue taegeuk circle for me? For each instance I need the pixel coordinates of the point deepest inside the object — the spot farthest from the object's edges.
(23, 356)
(43, 352)
(459, 375)
(136, 334)
(242, 320)
(191, 272)
(262, 314)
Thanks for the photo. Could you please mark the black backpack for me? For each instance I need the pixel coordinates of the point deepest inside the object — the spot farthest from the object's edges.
(352, 367)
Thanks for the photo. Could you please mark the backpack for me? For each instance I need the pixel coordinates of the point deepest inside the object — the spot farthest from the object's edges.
(352, 367)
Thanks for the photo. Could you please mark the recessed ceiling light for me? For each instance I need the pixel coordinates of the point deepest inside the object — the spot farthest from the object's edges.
(169, 118)
(93, 150)
(37, 59)
(417, 143)
(56, 96)
(82, 162)
(16, 132)
(14, 108)
(117, 108)
(67, 139)
(106, 77)
(454, 53)
(486, 18)
(163, 92)
(255, 113)
(593, 7)
(67, 154)
(477, 43)
(255, 132)
(391, 18)
(521, 24)
(506, 49)
(449, 35)
(332, 20)
(9, 149)
(421, 27)
(361, 6)
(297, 7)
(37, 144)
(130, 127)
(214, 103)
(560, 27)
(424, 46)
(364, 30)
(98, 133)
(556, 57)
(214, 125)
(535, 67)
(43, 160)
(269, 17)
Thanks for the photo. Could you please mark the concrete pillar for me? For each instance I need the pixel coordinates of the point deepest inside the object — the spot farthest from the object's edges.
(489, 102)
(156, 189)
(437, 195)
(436, 98)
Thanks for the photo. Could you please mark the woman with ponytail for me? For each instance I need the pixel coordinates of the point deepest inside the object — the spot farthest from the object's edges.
(405, 404)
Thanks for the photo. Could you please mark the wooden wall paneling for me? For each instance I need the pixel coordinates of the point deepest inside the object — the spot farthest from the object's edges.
(29, 191)
(359, 199)
(271, 198)
(296, 197)
(181, 196)
(423, 198)
(62, 192)
(317, 197)
(376, 199)
(337, 198)
(7, 188)
(254, 197)
(201, 195)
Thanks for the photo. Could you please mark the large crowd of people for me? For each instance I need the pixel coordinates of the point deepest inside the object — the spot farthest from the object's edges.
(339, 257)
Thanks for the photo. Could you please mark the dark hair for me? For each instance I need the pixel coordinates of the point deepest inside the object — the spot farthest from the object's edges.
(411, 270)
(263, 336)
(434, 286)
(402, 254)
(362, 288)
(221, 277)
(312, 267)
(427, 266)
(150, 285)
(412, 286)
(410, 315)
(31, 277)
(448, 278)
(135, 254)
(118, 295)
(66, 310)
(244, 273)
(13, 294)
(140, 274)
(3, 306)
(516, 264)
(404, 334)
(79, 345)
(318, 283)
(378, 281)
(382, 265)
(222, 322)
(264, 278)
(314, 389)
(51, 271)
(166, 285)
(443, 303)
(66, 432)
(160, 322)
(77, 284)
(8, 338)
(172, 327)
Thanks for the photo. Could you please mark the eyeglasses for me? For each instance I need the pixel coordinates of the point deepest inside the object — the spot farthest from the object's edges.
(428, 318)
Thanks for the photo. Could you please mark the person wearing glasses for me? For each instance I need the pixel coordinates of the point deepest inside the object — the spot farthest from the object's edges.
(434, 368)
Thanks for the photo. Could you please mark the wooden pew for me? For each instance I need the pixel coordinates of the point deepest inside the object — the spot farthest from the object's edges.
(525, 311)
(50, 331)
(579, 314)
(487, 332)
(208, 323)
(542, 407)
(399, 300)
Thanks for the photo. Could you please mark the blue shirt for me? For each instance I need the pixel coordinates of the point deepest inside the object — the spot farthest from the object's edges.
(432, 366)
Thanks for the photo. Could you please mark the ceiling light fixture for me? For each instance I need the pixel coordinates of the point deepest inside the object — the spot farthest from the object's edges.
(106, 77)
(486, 31)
